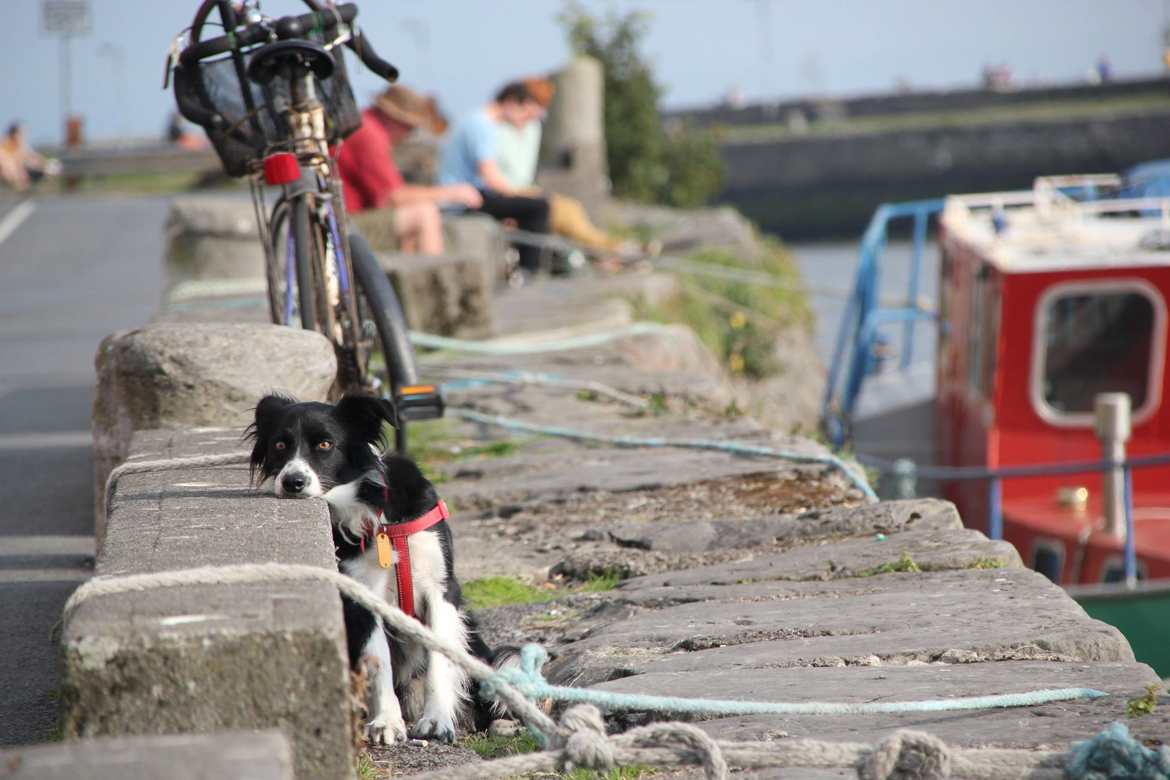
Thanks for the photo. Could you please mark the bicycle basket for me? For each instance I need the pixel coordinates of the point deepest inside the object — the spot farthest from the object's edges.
(210, 87)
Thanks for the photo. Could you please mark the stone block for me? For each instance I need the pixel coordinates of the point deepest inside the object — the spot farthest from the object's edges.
(255, 755)
(173, 375)
(480, 236)
(449, 295)
(215, 657)
(572, 155)
(212, 237)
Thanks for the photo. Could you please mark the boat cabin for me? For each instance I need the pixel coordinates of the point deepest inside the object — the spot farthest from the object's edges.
(1047, 298)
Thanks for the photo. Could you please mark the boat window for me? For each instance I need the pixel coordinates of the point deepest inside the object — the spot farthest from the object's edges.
(1115, 571)
(1096, 341)
(1048, 559)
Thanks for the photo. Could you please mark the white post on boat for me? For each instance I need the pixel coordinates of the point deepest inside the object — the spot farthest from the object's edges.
(1112, 424)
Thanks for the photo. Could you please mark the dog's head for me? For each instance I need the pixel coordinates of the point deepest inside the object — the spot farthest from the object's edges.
(308, 448)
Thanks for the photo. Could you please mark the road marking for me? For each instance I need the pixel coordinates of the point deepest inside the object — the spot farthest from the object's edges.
(45, 441)
(46, 545)
(13, 219)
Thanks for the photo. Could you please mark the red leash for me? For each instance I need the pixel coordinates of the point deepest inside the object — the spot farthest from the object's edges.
(397, 535)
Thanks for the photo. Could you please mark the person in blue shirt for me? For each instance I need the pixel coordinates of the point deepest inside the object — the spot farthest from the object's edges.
(469, 156)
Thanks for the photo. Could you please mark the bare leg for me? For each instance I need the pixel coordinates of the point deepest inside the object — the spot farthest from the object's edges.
(419, 228)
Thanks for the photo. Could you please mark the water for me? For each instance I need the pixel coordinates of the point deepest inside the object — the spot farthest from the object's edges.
(894, 413)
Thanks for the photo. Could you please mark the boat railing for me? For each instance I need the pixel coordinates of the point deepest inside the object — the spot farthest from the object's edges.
(854, 354)
(906, 474)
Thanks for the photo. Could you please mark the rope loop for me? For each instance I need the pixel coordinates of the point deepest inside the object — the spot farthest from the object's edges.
(586, 745)
(691, 738)
(907, 755)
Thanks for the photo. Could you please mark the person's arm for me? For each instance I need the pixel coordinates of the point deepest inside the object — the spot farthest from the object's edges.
(462, 194)
(493, 178)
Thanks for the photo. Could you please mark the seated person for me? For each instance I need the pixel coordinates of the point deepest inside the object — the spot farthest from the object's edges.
(20, 166)
(518, 151)
(370, 179)
(469, 156)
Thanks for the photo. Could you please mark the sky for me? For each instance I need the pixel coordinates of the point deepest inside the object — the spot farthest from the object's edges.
(462, 50)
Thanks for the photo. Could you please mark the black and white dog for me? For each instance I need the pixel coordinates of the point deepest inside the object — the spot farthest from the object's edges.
(321, 450)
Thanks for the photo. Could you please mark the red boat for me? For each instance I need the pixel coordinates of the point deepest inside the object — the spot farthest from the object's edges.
(1049, 298)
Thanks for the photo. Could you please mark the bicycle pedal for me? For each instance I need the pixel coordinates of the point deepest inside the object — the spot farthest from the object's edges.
(419, 402)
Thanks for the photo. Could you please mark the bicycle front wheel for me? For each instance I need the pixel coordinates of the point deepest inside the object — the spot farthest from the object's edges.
(379, 306)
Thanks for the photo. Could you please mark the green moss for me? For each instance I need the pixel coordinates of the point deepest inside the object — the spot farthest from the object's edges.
(740, 322)
(501, 591)
(490, 592)
(489, 747)
(601, 582)
(987, 563)
(1144, 704)
(434, 442)
(904, 564)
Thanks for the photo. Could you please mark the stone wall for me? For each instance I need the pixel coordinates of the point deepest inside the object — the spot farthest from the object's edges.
(813, 185)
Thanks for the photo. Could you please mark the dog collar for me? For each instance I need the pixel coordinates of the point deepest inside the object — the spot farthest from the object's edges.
(397, 536)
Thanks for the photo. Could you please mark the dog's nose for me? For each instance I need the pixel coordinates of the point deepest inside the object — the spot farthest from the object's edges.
(293, 483)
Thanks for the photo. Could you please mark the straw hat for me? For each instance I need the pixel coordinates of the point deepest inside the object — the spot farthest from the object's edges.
(410, 108)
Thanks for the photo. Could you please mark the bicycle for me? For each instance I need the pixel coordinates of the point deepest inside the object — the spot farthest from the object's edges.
(275, 102)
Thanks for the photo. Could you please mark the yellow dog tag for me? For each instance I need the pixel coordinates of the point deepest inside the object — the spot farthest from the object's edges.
(382, 540)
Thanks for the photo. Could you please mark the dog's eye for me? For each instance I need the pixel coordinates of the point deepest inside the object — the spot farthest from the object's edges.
(325, 445)
(279, 446)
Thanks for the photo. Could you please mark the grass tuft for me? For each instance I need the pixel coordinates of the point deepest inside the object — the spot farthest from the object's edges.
(492, 592)
(904, 564)
(488, 746)
(1144, 704)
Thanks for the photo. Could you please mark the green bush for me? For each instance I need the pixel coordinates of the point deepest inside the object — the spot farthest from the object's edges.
(646, 163)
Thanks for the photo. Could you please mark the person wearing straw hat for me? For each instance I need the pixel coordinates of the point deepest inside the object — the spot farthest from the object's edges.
(374, 188)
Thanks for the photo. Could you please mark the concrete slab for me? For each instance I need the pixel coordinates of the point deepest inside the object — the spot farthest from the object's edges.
(1041, 726)
(250, 755)
(203, 659)
(956, 617)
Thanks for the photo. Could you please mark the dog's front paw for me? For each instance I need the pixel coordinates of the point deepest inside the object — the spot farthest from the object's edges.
(386, 730)
(438, 728)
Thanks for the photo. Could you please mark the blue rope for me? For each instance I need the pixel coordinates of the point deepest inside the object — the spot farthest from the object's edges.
(736, 448)
(1115, 754)
(528, 679)
(432, 341)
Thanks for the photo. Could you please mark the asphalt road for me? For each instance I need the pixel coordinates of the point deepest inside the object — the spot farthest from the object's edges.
(72, 270)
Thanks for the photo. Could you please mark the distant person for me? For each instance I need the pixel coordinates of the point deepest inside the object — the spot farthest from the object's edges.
(1104, 69)
(370, 179)
(180, 134)
(470, 156)
(517, 154)
(20, 165)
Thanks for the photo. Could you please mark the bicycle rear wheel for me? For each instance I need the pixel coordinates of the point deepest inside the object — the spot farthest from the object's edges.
(378, 305)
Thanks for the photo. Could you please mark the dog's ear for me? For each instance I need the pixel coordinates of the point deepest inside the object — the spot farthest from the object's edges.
(367, 416)
(260, 431)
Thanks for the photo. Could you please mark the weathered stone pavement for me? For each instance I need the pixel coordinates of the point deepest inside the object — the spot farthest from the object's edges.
(740, 577)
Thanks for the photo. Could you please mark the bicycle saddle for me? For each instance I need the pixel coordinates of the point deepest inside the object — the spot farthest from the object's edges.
(266, 61)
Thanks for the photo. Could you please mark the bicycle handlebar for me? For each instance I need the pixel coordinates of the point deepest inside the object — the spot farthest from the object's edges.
(289, 27)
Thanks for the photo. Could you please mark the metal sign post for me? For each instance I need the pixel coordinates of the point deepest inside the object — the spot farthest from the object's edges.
(67, 19)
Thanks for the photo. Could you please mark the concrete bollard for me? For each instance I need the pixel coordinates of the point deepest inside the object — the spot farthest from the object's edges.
(572, 150)
(212, 237)
(177, 375)
(1112, 425)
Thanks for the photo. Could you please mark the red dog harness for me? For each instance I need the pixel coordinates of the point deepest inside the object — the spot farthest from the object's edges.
(397, 535)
